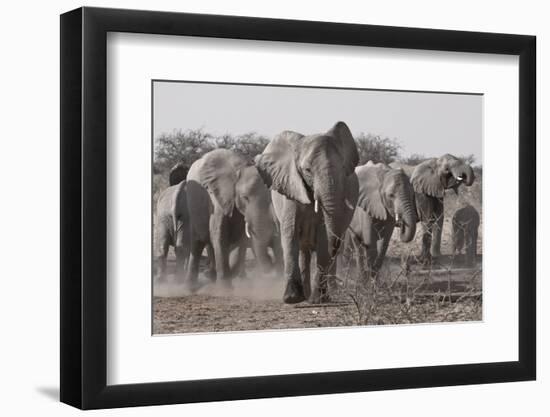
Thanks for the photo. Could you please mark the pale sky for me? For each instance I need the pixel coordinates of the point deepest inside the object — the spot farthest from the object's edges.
(431, 124)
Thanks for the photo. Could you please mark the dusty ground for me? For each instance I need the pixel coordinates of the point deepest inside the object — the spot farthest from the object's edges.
(255, 303)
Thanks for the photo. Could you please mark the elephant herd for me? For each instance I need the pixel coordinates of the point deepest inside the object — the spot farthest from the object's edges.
(303, 194)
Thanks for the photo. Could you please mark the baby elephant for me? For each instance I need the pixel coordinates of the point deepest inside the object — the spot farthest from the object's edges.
(465, 229)
(172, 229)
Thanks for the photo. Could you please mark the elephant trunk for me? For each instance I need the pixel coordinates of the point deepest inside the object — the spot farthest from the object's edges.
(329, 193)
(470, 177)
(262, 256)
(406, 210)
(408, 223)
(260, 229)
(333, 218)
(464, 174)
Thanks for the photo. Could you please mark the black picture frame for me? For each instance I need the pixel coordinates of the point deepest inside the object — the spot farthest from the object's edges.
(84, 207)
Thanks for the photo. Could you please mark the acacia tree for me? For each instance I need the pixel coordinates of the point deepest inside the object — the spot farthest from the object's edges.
(376, 148)
(184, 146)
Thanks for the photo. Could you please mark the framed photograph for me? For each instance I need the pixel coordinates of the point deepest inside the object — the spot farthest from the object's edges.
(257, 208)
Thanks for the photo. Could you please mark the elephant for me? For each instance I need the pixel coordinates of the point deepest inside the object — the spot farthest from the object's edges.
(386, 201)
(314, 192)
(430, 179)
(178, 173)
(465, 230)
(172, 229)
(228, 204)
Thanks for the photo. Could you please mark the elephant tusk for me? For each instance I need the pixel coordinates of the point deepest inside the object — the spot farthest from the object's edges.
(350, 206)
(459, 178)
(316, 208)
(246, 230)
(397, 217)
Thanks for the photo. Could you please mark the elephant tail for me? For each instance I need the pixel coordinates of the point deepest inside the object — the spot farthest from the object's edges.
(177, 209)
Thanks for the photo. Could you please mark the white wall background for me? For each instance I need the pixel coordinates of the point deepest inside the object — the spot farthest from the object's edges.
(29, 213)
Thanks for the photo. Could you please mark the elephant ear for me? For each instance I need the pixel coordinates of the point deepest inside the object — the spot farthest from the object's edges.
(425, 179)
(345, 142)
(219, 174)
(371, 178)
(277, 167)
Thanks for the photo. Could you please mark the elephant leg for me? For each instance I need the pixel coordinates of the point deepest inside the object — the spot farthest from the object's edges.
(362, 264)
(371, 256)
(326, 266)
(475, 236)
(347, 257)
(161, 252)
(382, 248)
(218, 238)
(294, 291)
(210, 272)
(470, 247)
(360, 250)
(437, 229)
(182, 256)
(182, 250)
(193, 264)
(454, 238)
(425, 255)
(239, 270)
(277, 255)
(161, 261)
(305, 271)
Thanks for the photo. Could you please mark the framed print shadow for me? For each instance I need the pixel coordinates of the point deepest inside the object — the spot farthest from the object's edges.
(257, 208)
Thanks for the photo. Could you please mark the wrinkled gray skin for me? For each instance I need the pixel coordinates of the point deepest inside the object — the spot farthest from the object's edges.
(177, 174)
(465, 230)
(172, 229)
(430, 179)
(305, 172)
(224, 194)
(386, 201)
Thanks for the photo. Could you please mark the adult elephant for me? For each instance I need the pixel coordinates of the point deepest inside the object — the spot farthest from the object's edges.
(314, 196)
(228, 201)
(386, 201)
(172, 229)
(430, 179)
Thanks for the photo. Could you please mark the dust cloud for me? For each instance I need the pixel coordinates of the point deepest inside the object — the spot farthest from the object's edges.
(255, 286)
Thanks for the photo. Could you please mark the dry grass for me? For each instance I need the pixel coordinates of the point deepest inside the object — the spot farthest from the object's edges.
(405, 292)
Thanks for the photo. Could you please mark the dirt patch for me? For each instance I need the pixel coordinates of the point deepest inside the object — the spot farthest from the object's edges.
(445, 292)
(254, 303)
